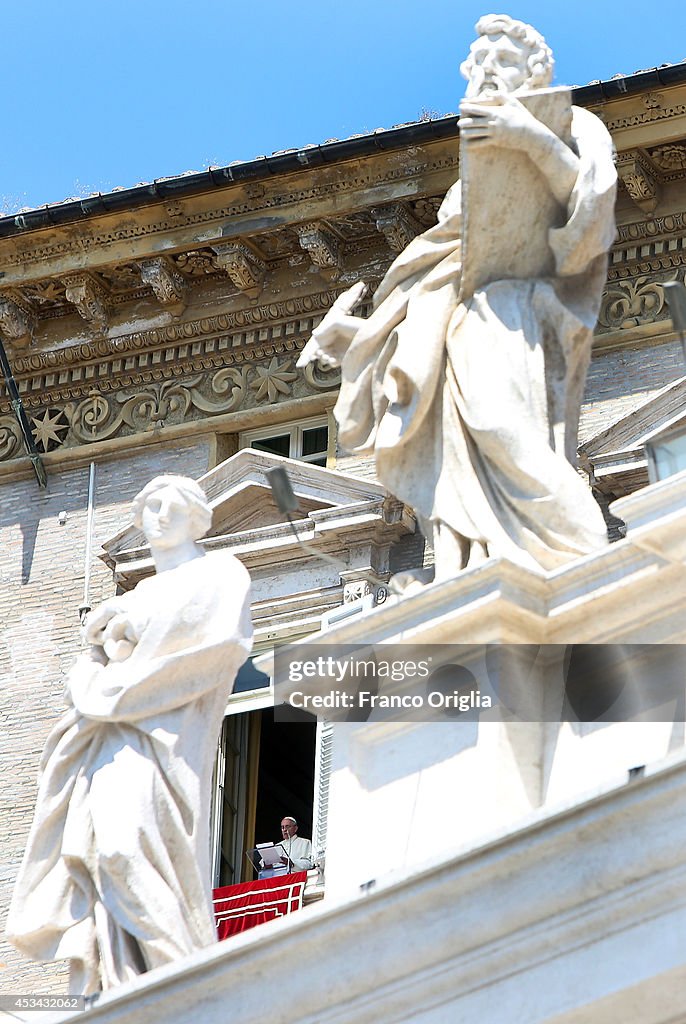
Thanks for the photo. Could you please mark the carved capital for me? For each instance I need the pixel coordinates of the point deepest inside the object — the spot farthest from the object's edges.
(243, 266)
(322, 248)
(89, 298)
(17, 322)
(396, 224)
(637, 173)
(166, 282)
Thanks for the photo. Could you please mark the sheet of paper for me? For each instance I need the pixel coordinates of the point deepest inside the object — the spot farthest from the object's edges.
(271, 854)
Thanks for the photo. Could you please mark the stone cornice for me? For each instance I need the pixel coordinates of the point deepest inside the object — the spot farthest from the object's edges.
(240, 210)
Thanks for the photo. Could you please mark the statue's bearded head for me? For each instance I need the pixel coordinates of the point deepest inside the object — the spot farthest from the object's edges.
(508, 56)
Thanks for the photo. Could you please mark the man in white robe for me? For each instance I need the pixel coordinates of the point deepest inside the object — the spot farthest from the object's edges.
(298, 850)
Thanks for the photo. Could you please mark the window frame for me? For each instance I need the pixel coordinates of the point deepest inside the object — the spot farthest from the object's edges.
(295, 430)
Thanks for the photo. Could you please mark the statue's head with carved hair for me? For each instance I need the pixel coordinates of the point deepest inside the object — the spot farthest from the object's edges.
(507, 56)
(181, 491)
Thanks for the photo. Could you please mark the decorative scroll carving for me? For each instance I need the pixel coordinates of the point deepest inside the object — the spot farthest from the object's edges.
(94, 419)
(629, 303)
(322, 248)
(101, 416)
(230, 382)
(11, 443)
(16, 321)
(322, 377)
(638, 175)
(669, 158)
(245, 269)
(84, 292)
(166, 282)
(396, 224)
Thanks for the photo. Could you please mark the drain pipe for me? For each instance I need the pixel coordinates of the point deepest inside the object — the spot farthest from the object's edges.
(21, 418)
(85, 607)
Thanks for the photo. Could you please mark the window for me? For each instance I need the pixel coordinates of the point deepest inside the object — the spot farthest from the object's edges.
(264, 770)
(307, 441)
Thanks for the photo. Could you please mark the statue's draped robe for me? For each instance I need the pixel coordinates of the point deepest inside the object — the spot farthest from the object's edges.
(470, 408)
(116, 875)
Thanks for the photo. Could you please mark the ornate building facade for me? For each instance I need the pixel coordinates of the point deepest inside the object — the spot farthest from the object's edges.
(156, 329)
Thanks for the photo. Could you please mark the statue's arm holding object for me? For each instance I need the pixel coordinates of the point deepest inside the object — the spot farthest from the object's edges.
(502, 120)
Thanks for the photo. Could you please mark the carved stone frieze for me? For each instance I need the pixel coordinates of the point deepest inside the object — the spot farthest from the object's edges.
(17, 322)
(225, 335)
(396, 224)
(669, 158)
(89, 297)
(152, 404)
(322, 247)
(654, 111)
(630, 303)
(162, 396)
(166, 282)
(637, 174)
(243, 266)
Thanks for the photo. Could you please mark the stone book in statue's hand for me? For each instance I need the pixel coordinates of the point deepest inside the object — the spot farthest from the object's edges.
(507, 205)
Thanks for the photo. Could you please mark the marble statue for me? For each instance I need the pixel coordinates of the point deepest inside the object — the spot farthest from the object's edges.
(116, 874)
(465, 381)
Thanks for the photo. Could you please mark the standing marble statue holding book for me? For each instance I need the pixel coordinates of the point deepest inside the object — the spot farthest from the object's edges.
(116, 874)
(466, 380)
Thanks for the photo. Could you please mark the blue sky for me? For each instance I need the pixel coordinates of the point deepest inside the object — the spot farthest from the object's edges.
(107, 93)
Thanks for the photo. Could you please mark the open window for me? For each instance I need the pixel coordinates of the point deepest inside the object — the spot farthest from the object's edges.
(265, 769)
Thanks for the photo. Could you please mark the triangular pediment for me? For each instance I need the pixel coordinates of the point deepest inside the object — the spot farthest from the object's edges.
(663, 409)
(241, 499)
(616, 453)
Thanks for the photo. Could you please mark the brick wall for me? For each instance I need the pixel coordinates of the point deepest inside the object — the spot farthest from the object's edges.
(621, 379)
(41, 588)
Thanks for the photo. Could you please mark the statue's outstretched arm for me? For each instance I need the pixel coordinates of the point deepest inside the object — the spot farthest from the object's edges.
(330, 340)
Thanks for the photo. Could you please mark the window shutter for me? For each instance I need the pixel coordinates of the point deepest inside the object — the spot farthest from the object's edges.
(322, 775)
